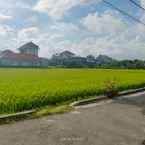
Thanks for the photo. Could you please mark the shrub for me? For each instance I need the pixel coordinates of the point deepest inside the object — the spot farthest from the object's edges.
(111, 88)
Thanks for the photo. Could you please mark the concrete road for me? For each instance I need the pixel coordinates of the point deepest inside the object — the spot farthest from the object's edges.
(121, 122)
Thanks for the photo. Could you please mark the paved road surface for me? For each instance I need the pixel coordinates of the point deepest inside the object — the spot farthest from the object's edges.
(120, 122)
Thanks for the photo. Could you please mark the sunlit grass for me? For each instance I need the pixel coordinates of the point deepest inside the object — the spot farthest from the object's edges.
(23, 89)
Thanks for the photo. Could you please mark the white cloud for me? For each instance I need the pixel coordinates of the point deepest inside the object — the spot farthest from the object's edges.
(6, 31)
(65, 27)
(5, 17)
(28, 34)
(11, 9)
(142, 3)
(7, 37)
(113, 37)
(8, 4)
(106, 23)
(119, 47)
(57, 36)
(57, 8)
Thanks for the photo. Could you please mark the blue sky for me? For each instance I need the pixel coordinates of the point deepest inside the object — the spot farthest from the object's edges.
(82, 26)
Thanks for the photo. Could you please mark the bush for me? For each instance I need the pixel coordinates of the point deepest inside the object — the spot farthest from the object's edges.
(111, 88)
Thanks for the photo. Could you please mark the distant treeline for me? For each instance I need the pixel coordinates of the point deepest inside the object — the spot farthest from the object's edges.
(70, 60)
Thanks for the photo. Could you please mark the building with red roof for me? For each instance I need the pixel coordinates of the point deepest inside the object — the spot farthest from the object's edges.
(27, 57)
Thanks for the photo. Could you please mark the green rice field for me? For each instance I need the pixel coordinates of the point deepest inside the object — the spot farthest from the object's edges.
(23, 89)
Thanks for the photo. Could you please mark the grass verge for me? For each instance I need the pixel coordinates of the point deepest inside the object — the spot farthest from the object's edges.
(50, 110)
(44, 111)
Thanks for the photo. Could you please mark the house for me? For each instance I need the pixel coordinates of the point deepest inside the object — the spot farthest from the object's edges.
(29, 48)
(64, 55)
(67, 54)
(27, 57)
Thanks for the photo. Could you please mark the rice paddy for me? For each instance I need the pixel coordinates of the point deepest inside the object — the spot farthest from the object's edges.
(23, 89)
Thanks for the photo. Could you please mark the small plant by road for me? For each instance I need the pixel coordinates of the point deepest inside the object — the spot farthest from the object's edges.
(111, 88)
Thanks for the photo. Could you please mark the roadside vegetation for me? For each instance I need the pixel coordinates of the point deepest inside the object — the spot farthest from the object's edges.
(49, 110)
(23, 89)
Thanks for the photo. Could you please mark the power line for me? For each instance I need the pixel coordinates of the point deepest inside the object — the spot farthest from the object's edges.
(136, 4)
(123, 12)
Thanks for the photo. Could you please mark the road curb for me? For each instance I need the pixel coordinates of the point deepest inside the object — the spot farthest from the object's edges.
(88, 101)
(132, 91)
(16, 116)
(103, 98)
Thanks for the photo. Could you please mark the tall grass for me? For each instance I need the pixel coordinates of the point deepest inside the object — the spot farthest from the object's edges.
(22, 89)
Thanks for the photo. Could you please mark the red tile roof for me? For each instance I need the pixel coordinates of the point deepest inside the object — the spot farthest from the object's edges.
(18, 56)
